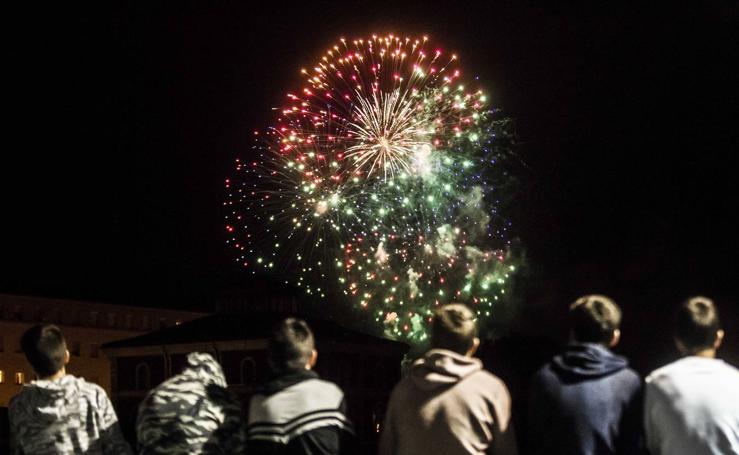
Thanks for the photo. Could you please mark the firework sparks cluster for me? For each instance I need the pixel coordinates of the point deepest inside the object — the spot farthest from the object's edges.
(373, 185)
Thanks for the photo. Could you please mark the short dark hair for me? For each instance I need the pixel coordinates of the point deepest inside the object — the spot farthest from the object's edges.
(594, 318)
(291, 345)
(697, 323)
(454, 328)
(45, 349)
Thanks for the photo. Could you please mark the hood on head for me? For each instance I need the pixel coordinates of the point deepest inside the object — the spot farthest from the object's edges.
(442, 368)
(588, 360)
(205, 367)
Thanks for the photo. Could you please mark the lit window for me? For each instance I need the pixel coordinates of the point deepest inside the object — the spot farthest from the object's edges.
(20, 378)
(2, 377)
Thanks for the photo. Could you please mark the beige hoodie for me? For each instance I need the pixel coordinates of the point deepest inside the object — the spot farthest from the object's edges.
(449, 405)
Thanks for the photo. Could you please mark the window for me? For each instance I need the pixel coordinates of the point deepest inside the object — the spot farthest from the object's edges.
(162, 323)
(145, 323)
(93, 318)
(248, 371)
(128, 321)
(143, 377)
(20, 378)
(94, 350)
(2, 344)
(2, 377)
(111, 319)
(177, 322)
(75, 348)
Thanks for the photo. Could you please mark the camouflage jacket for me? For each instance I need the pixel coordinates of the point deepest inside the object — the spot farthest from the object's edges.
(64, 416)
(191, 413)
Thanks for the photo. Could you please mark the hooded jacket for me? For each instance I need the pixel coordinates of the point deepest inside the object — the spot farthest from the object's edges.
(65, 416)
(298, 413)
(191, 413)
(448, 404)
(585, 401)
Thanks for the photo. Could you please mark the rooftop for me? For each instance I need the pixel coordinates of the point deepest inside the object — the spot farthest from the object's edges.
(228, 327)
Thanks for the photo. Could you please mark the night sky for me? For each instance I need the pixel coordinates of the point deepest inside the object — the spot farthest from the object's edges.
(127, 119)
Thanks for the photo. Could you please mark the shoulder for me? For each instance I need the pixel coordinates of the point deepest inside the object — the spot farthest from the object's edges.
(627, 384)
(16, 405)
(322, 387)
(630, 376)
(543, 372)
(489, 382)
(662, 373)
(90, 389)
(402, 387)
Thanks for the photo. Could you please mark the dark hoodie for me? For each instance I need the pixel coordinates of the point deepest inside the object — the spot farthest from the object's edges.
(449, 405)
(298, 413)
(585, 401)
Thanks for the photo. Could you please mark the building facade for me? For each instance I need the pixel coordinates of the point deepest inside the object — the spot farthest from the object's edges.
(86, 326)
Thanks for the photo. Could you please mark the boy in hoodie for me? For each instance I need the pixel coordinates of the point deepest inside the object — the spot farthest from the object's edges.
(586, 400)
(191, 413)
(59, 413)
(692, 404)
(447, 404)
(296, 412)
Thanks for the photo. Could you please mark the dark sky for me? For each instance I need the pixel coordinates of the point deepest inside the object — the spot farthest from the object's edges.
(126, 121)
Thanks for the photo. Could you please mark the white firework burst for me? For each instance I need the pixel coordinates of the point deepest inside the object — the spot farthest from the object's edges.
(389, 129)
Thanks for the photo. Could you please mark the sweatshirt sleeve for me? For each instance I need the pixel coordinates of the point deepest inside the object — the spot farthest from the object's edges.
(536, 417)
(388, 439)
(630, 427)
(504, 435)
(15, 447)
(111, 435)
(651, 404)
(15, 423)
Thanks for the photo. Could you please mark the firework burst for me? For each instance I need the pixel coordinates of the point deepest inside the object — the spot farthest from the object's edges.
(374, 184)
